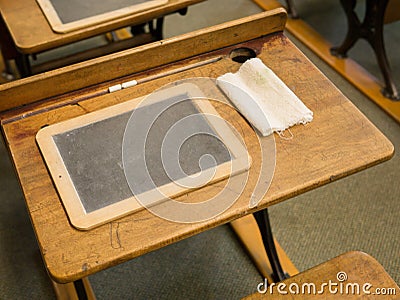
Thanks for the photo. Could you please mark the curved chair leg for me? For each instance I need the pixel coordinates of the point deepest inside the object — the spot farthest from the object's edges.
(7, 73)
(377, 42)
(155, 28)
(370, 29)
(353, 29)
(23, 64)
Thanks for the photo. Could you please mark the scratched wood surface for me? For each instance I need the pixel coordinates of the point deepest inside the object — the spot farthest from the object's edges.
(359, 268)
(338, 142)
(32, 33)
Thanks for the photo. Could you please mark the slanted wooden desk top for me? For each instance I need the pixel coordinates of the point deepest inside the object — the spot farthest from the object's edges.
(32, 33)
(338, 142)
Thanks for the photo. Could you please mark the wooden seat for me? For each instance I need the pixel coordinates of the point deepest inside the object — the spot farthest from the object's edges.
(349, 275)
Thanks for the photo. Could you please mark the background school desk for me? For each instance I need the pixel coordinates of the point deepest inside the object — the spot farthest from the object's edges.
(26, 31)
(370, 27)
(339, 141)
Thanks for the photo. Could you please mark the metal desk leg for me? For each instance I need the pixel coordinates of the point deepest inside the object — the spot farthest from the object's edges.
(264, 225)
(157, 31)
(10, 52)
(291, 9)
(80, 289)
(183, 11)
(370, 29)
(138, 29)
(353, 29)
(24, 67)
(7, 73)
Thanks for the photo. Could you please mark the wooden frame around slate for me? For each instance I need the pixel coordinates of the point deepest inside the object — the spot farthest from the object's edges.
(65, 185)
(58, 26)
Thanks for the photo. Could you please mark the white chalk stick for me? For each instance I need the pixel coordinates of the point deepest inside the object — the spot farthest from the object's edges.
(114, 88)
(129, 84)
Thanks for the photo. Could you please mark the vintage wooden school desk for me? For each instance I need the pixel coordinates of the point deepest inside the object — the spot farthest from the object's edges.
(338, 142)
(26, 31)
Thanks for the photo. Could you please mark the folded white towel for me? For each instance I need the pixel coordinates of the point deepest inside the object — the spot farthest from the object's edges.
(263, 99)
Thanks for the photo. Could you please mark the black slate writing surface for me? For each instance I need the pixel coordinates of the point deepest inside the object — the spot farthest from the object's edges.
(69, 15)
(143, 152)
(93, 154)
(75, 10)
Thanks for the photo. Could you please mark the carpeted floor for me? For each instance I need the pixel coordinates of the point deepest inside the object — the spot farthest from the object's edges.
(361, 212)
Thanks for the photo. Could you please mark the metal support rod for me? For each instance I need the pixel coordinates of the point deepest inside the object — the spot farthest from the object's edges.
(7, 73)
(80, 289)
(264, 225)
(159, 28)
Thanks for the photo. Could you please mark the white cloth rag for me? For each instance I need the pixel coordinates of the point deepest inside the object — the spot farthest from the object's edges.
(263, 99)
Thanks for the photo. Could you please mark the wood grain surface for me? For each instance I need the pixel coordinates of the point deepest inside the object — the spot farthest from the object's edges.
(338, 142)
(358, 267)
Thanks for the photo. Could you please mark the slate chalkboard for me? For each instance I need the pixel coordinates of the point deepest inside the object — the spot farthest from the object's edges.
(70, 15)
(84, 154)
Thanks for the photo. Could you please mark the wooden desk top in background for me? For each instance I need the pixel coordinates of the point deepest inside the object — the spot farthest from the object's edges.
(32, 33)
(338, 142)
